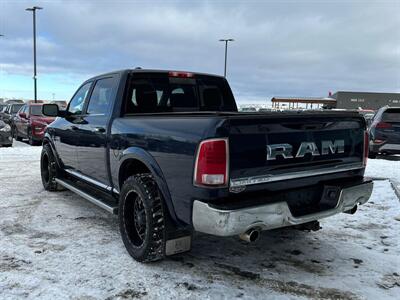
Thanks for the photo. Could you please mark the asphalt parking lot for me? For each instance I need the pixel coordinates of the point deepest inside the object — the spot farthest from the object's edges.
(59, 246)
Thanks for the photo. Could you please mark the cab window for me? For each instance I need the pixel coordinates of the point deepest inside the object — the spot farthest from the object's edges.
(102, 96)
(77, 102)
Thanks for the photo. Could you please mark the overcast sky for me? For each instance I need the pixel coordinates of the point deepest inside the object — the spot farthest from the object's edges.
(281, 48)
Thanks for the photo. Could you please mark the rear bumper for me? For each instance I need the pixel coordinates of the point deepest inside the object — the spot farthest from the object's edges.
(218, 222)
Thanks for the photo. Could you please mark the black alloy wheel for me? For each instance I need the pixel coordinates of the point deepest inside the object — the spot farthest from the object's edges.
(141, 218)
(48, 169)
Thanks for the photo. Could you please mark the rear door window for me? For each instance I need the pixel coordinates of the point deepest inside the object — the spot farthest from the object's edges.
(102, 96)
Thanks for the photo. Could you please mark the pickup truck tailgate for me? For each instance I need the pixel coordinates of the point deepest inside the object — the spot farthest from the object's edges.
(273, 147)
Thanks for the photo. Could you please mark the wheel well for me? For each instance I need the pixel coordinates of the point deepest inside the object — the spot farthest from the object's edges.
(131, 167)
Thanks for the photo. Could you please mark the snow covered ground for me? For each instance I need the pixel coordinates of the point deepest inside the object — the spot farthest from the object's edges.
(59, 246)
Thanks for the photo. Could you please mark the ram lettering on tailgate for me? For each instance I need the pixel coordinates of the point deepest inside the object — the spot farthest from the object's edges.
(286, 150)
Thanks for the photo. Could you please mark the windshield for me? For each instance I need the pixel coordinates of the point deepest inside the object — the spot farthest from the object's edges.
(36, 110)
(15, 108)
(171, 94)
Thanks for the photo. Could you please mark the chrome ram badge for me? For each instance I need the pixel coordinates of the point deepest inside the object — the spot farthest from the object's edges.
(286, 150)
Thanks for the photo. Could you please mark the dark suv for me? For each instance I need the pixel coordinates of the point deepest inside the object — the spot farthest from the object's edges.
(385, 132)
(10, 111)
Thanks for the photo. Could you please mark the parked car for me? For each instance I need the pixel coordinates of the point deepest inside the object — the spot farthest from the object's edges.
(5, 135)
(37, 101)
(30, 123)
(248, 109)
(12, 101)
(385, 132)
(264, 110)
(10, 111)
(368, 115)
(3, 110)
(169, 153)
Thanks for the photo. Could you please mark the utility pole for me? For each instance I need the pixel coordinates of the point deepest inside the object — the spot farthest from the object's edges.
(33, 10)
(226, 51)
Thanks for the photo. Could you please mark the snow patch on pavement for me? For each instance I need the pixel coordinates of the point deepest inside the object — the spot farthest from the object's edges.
(59, 246)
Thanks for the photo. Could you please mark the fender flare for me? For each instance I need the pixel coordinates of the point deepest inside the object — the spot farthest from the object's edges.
(47, 140)
(148, 160)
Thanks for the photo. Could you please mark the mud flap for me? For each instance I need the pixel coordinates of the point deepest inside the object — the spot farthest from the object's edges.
(178, 245)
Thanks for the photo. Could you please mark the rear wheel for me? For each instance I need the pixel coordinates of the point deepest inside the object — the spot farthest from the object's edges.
(372, 155)
(48, 169)
(141, 218)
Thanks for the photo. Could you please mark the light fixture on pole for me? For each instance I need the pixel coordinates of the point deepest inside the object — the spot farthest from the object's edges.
(33, 10)
(226, 51)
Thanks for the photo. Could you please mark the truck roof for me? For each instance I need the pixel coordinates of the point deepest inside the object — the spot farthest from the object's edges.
(155, 71)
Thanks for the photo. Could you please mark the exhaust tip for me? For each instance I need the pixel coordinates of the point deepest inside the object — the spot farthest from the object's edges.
(352, 211)
(250, 235)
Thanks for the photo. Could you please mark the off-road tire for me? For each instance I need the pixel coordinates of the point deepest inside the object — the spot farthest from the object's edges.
(49, 169)
(151, 247)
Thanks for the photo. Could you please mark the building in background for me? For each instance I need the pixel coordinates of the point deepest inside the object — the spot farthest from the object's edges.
(303, 102)
(365, 100)
(339, 100)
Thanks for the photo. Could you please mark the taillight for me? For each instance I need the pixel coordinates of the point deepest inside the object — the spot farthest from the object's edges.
(383, 125)
(180, 74)
(366, 148)
(212, 161)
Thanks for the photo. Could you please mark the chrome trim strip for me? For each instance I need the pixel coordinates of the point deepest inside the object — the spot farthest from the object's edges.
(220, 222)
(293, 175)
(88, 179)
(86, 196)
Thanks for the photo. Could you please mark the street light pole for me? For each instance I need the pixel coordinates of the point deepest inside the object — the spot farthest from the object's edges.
(33, 10)
(226, 51)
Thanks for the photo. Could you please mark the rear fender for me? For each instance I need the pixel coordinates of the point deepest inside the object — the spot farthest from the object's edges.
(148, 160)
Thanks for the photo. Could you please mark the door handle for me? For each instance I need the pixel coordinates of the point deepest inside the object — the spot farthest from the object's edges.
(100, 129)
(74, 127)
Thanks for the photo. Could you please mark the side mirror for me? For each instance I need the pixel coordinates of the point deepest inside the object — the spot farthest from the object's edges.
(22, 115)
(50, 110)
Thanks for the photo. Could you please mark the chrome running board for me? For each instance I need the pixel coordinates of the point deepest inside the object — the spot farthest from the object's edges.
(87, 196)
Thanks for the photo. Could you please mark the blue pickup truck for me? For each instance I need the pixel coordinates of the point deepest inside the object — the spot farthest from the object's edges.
(169, 153)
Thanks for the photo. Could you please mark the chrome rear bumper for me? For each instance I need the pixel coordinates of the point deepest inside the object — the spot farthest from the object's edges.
(218, 222)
